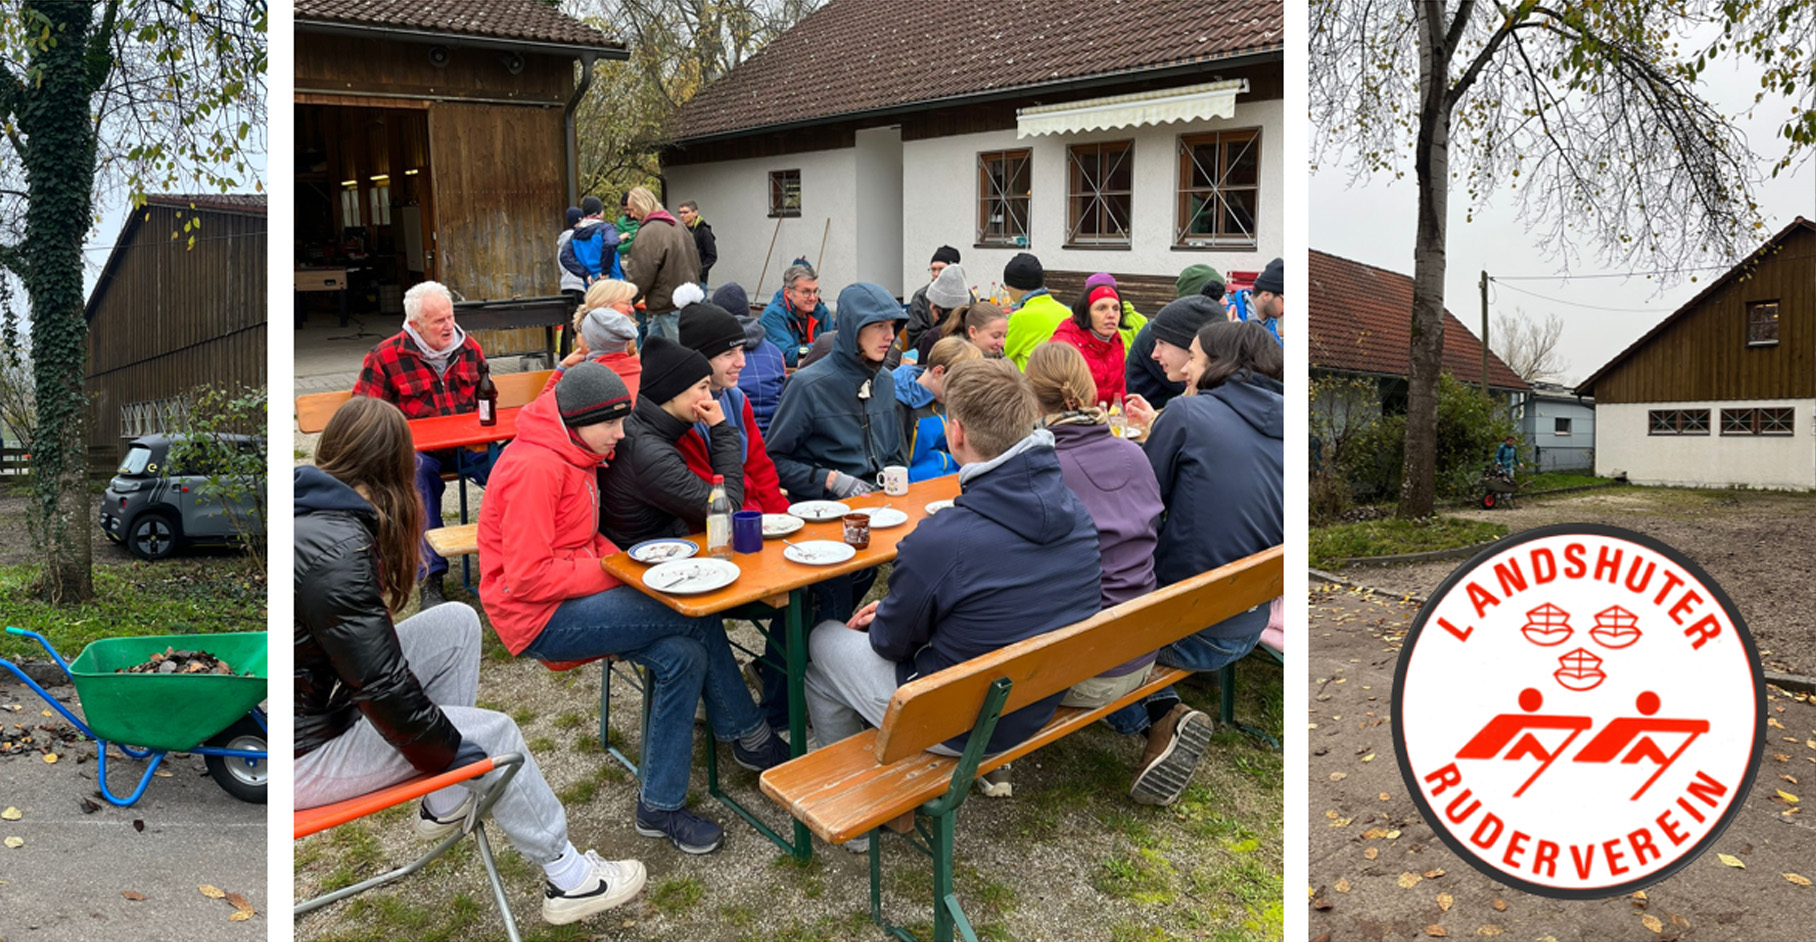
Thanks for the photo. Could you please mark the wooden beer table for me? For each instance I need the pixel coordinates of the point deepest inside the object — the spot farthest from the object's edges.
(769, 580)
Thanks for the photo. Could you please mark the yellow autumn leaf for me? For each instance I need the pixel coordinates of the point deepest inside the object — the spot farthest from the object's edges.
(211, 892)
(1489, 931)
(1652, 922)
(1798, 879)
(1773, 722)
(1371, 853)
(15, 842)
(1444, 901)
(1369, 758)
(1342, 885)
(11, 814)
(1787, 796)
(239, 915)
(50, 758)
(1392, 835)
(1408, 880)
(1731, 860)
(1436, 931)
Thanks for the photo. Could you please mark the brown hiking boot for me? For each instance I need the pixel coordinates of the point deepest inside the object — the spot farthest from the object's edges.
(1175, 745)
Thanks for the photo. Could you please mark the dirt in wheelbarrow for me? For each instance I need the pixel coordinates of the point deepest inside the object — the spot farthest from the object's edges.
(173, 661)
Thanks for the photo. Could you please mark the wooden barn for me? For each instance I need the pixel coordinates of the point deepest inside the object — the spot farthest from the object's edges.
(170, 314)
(1722, 392)
(435, 142)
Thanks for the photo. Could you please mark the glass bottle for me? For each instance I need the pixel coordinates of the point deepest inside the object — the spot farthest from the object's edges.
(486, 396)
(718, 521)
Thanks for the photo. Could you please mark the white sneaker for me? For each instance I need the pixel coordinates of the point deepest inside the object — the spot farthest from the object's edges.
(611, 884)
(431, 828)
(995, 783)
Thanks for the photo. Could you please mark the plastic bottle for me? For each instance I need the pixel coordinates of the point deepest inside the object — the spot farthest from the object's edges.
(486, 396)
(718, 521)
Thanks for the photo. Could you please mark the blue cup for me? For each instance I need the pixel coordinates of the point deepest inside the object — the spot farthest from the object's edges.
(747, 531)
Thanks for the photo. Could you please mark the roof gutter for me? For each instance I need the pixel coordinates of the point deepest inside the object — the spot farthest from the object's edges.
(1273, 54)
(571, 169)
(603, 48)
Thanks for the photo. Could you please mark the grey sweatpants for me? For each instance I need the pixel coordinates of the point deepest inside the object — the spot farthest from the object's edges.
(441, 646)
(848, 684)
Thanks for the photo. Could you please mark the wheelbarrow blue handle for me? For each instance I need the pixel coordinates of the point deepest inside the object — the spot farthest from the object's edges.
(42, 641)
(46, 697)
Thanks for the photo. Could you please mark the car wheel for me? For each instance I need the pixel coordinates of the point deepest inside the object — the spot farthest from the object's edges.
(153, 536)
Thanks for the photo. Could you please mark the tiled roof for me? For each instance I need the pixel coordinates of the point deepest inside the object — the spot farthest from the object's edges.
(1360, 319)
(854, 56)
(521, 20)
(1800, 224)
(247, 203)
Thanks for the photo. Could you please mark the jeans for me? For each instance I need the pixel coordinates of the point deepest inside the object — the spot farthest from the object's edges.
(429, 468)
(441, 647)
(666, 325)
(833, 600)
(686, 657)
(1197, 652)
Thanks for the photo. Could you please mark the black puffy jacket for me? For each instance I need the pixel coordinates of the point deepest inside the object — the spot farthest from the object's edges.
(647, 491)
(348, 661)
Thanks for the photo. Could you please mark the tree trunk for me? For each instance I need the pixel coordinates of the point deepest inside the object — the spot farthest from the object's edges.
(59, 161)
(1418, 479)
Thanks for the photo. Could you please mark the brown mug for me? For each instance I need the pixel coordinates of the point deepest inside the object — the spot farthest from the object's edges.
(857, 531)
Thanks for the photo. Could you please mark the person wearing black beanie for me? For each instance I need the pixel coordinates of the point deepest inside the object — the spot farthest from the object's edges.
(713, 333)
(670, 369)
(920, 309)
(1167, 349)
(1266, 299)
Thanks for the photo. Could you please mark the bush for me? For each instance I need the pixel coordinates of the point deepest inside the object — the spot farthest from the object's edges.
(1470, 427)
(237, 474)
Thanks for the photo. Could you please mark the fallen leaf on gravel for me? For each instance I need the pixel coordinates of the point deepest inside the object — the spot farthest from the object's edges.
(1342, 822)
(1386, 797)
(211, 892)
(1500, 905)
(1489, 931)
(12, 814)
(1338, 776)
(1331, 814)
(1319, 903)
(1781, 757)
(1652, 922)
(1679, 921)
(1342, 885)
(1788, 778)
(1392, 835)
(239, 902)
(133, 895)
(1639, 895)
(1798, 879)
(1373, 833)
(1433, 874)
(89, 806)
(1408, 880)
(239, 915)
(1787, 796)
(1436, 931)
(1444, 901)
(1772, 721)
(1369, 758)
(50, 758)
(1371, 853)
(15, 842)
(1731, 861)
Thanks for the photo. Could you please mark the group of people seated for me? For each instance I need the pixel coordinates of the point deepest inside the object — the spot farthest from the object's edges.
(1057, 518)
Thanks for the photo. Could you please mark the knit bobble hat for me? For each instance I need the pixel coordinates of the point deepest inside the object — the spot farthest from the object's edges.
(1023, 273)
(607, 331)
(670, 369)
(1273, 278)
(1101, 279)
(1179, 321)
(1194, 279)
(732, 298)
(573, 216)
(591, 393)
(948, 291)
(945, 253)
(710, 330)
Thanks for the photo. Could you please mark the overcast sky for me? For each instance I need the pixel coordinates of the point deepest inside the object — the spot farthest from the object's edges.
(1375, 221)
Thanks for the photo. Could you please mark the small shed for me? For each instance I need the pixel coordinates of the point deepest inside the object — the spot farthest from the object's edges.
(1723, 391)
(1136, 138)
(435, 142)
(180, 303)
(1559, 427)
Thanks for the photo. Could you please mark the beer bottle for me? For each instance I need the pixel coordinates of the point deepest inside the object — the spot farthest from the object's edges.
(486, 396)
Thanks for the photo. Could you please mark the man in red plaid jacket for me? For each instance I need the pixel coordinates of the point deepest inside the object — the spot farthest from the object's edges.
(429, 368)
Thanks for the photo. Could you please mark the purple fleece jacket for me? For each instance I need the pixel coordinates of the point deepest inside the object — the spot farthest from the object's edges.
(1115, 482)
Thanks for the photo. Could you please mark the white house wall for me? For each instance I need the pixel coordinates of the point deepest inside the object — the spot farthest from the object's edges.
(1622, 444)
(879, 202)
(939, 201)
(734, 197)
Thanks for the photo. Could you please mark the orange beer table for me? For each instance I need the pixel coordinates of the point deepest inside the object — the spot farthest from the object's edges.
(462, 431)
(769, 580)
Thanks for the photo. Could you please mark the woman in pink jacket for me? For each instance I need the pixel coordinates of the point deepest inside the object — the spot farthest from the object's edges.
(549, 597)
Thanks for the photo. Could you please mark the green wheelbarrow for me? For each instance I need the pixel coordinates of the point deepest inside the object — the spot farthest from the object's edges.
(216, 716)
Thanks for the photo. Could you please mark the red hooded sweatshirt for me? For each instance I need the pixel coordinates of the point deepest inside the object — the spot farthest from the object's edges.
(539, 540)
(1105, 357)
(762, 487)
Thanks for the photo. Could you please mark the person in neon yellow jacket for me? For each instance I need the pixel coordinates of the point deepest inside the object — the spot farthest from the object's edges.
(1036, 314)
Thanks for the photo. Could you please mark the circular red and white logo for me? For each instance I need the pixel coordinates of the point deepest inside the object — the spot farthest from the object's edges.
(1579, 711)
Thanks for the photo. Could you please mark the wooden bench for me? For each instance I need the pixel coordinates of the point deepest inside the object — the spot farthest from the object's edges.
(454, 542)
(885, 776)
(514, 389)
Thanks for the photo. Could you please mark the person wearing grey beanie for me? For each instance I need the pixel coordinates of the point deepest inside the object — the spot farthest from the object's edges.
(607, 331)
(949, 291)
(590, 394)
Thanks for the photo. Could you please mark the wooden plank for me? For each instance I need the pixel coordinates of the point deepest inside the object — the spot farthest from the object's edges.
(331, 65)
(453, 542)
(932, 709)
(498, 184)
(841, 792)
(520, 389)
(314, 410)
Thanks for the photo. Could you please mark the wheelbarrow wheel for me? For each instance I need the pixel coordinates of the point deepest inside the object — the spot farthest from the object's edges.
(1488, 501)
(242, 778)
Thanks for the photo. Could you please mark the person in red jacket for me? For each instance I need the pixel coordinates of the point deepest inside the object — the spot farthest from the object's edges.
(548, 597)
(716, 335)
(1096, 330)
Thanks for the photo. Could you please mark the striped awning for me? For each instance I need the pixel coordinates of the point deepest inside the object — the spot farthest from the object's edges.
(1191, 103)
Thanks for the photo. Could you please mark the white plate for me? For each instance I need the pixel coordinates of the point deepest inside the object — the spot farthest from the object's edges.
(819, 511)
(691, 576)
(775, 525)
(937, 506)
(882, 518)
(662, 551)
(819, 552)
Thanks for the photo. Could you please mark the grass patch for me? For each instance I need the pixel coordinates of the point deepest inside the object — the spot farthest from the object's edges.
(1558, 480)
(579, 793)
(1393, 536)
(541, 745)
(675, 897)
(1145, 877)
(175, 597)
(523, 716)
(572, 720)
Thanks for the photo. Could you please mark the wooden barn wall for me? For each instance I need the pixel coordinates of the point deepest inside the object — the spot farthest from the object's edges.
(1704, 355)
(349, 66)
(173, 318)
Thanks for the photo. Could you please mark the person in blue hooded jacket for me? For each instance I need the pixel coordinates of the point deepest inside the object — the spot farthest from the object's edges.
(920, 396)
(1015, 556)
(836, 426)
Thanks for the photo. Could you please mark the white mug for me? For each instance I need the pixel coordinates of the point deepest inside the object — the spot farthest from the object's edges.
(894, 480)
